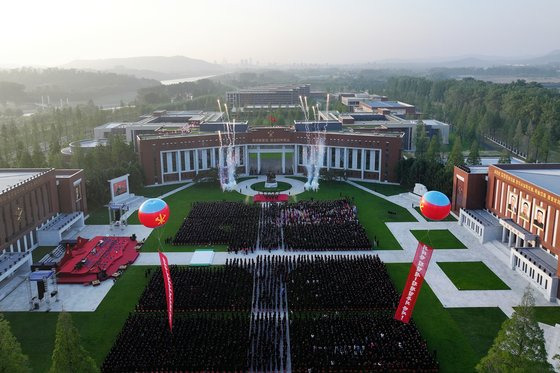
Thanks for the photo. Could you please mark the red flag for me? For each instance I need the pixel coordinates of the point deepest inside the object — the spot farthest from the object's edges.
(272, 119)
(168, 287)
(414, 282)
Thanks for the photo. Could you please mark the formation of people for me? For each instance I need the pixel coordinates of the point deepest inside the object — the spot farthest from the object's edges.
(299, 226)
(200, 342)
(357, 342)
(312, 313)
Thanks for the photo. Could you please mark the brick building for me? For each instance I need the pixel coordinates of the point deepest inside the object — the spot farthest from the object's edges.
(369, 156)
(517, 205)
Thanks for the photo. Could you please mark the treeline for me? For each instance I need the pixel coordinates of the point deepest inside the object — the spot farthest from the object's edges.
(27, 85)
(103, 163)
(182, 93)
(36, 142)
(524, 115)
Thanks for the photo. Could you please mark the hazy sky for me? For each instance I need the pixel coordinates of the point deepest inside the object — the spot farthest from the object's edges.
(52, 32)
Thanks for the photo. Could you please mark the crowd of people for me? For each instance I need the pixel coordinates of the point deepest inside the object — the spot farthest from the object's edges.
(323, 226)
(220, 223)
(200, 342)
(222, 288)
(269, 343)
(340, 283)
(357, 342)
(303, 225)
(234, 318)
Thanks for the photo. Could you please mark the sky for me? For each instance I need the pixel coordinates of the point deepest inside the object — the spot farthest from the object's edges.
(54, 32)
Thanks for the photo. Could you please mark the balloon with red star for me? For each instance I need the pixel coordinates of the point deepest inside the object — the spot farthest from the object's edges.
(153, 213)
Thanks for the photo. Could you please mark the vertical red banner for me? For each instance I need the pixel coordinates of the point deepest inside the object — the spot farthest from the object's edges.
(168, 287)
(414, 282)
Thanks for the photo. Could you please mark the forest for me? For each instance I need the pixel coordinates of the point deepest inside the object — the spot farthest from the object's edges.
(526, 116)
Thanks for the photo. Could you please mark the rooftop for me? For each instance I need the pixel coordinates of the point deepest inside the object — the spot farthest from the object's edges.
(10, 178)
(387, 104)
(548, 179)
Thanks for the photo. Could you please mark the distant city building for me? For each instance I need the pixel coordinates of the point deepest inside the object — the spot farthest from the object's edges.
(157, 122)
(368, 121)
(387, 107)
(352, 100)
(268, 95)
(518, 207)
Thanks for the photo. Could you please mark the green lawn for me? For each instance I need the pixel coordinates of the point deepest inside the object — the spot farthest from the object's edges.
(300, 178)
(98, 330)
(40, 252)
(472, 276)
(180, 205)
(282, 186)
(548, 315)
(385, 189)
(448, 218)
(445, 329)
(373, 211)
(479, 325)
(438, 239)
(100, 215)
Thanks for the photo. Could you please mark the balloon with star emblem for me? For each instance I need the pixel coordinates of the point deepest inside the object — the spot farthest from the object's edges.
(435, 205)
(153, 213)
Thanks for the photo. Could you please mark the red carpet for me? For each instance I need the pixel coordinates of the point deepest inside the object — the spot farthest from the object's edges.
(271, 198)
(88, 259)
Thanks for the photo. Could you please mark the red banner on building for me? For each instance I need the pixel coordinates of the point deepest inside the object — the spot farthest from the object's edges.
(168, 287)
(414, 282)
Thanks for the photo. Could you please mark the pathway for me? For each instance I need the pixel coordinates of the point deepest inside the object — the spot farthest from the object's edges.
(244, 187)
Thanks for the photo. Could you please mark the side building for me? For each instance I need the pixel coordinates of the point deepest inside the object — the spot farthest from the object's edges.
(518, 206)
(35, 203)
(268, 95)
(366, 156)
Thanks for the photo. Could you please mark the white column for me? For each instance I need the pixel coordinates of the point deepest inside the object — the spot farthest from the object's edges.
(161, 156)
(337, 157)
(503, 234)
(212, 158)
(363, 162)
(246, 155)
(178, 163)
(510, 239)
(283, 160)
(354, 158)
(518, 241)
(329, 156)
(512, 257)
(379, 155)
(258, 159)
(345, 158)
(296, 156)
(196, 161)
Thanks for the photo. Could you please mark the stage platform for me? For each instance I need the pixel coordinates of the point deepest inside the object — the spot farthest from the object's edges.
(96, 259)
(271, 198)
(202, 258)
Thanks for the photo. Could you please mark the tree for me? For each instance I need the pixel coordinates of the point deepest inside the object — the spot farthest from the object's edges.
(38, 156)
(505, 157)
(69, 355)
(434, 150)
(456, 156)
(519, 346)
(421, 140)
(474, 155)
(12, 359)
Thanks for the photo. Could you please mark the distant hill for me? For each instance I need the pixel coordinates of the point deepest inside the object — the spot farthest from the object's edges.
(27, 85)
(151, 67)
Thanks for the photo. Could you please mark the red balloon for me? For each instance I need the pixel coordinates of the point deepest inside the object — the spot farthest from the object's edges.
(153, 213)
(435, 205)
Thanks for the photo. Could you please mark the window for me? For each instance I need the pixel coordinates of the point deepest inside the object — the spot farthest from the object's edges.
(173, 161)
(368, 159)
(359, 158)
(191, 159)
(183, 166)
(164, 156)
(77, 192)
(333, 157)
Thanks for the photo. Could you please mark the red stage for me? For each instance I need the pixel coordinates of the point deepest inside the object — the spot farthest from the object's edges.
(96, 259)
(271, 198)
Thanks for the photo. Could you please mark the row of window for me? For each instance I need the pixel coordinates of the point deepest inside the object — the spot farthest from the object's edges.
(338, 155)
(530, 271)
(203, 159)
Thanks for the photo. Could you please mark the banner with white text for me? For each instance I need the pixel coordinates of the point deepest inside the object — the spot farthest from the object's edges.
(168, 287)
(414, 282)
